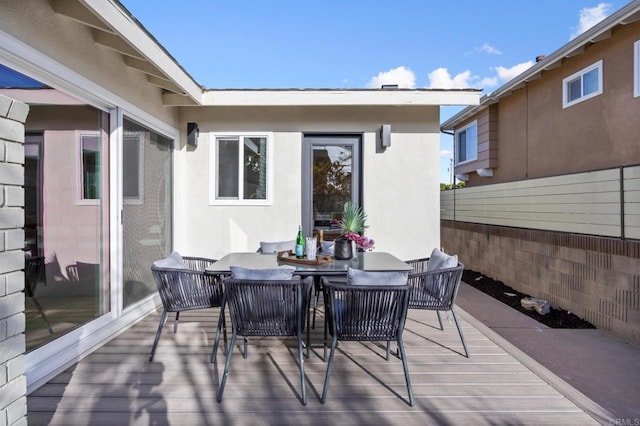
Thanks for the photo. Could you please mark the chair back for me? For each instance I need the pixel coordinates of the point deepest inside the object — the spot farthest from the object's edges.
(435, 290)
(33, 273)
(365, 312)
(187, 289)
(267, 308)
(199, 264)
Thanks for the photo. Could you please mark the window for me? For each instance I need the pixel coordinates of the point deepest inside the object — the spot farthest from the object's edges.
(241, 169)
(89, 168)
(636, 69)
(582, 85)
(467, 143)
(133, 164)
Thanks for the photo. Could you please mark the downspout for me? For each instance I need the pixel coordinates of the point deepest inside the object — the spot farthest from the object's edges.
(453, 164)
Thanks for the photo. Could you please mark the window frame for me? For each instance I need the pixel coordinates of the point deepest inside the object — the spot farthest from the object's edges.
(213, 168)
(580, 74)
(456, 143)
(80, 200)
(636, 69)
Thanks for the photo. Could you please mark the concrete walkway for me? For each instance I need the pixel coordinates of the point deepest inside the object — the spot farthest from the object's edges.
(599, 366)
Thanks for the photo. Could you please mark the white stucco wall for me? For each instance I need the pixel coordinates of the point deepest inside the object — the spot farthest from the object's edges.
(400, 185)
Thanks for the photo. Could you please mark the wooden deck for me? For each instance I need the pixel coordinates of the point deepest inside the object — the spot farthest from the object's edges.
(117, 385)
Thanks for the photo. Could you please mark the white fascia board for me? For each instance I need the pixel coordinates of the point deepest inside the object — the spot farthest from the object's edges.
(130, 30)
(374, 97)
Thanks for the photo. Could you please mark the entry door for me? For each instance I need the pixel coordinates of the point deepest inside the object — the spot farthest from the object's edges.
(330, 178)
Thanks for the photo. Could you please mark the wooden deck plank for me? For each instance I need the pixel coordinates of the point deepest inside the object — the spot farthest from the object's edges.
(117, 385)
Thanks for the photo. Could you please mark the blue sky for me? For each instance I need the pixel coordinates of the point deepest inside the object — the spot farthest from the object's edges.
(364, 43)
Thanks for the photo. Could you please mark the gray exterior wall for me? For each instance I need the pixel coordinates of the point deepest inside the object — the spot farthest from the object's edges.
(13, 383)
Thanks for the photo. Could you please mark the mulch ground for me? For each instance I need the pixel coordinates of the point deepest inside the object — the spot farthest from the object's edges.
(556, 318)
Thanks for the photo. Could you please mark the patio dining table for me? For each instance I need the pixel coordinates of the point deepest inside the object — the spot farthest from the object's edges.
(366, 261)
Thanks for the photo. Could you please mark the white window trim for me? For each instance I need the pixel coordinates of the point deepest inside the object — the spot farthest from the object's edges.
(80, 200)
(636, 69)
(457, 148)
(565, 81)
(213, 161)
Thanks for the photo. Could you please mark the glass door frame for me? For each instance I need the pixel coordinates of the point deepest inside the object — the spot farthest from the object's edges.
(309, 140)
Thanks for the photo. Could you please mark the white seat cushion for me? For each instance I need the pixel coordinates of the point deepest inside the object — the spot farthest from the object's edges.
(441, 260)
(273, 274)
(173, 261)
(276, 246)
(359, 277)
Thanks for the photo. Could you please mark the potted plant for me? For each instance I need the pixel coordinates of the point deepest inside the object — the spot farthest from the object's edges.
(352, 223)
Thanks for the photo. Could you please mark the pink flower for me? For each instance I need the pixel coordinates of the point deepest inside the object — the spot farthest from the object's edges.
(361, 241)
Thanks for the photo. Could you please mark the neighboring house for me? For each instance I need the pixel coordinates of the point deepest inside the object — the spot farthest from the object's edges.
(126, 157)
(550, 160)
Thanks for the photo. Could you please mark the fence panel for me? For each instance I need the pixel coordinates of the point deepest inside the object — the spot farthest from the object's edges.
(585, 203)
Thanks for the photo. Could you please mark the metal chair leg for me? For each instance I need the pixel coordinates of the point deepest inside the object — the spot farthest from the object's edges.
(303, 386)
(388, 349)
(406, 369)
(226, 366)
(163, 319)
(464, 344)
(175, 323)
(221, 325)
(334, 343)
(440, 320)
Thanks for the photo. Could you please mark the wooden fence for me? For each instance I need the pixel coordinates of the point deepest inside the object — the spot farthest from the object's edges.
(603, 202)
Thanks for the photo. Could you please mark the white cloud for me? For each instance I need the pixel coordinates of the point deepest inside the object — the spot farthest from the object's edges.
(402, 76)
(441, 79)
(506, 74)
(590, 16)
(446, 154)
(487, 48)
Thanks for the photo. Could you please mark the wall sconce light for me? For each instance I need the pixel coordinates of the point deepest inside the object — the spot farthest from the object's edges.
(385, 136)
(192, 134)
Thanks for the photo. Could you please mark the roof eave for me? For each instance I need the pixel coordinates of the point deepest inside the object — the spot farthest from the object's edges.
(125, 26)
(602, 30)
(340, 97)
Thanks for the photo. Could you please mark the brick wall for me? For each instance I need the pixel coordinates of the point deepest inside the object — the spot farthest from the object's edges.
(596, 278)
(13, 383)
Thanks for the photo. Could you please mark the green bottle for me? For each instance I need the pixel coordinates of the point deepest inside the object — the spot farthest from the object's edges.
(300, 244)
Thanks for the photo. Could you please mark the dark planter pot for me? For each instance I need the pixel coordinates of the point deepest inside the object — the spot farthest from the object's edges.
(342, 249)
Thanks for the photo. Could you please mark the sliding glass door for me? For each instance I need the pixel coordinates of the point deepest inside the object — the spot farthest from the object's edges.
(66, 218)
(147, 207)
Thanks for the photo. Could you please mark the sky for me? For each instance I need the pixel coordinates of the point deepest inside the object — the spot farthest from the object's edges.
(352, 44)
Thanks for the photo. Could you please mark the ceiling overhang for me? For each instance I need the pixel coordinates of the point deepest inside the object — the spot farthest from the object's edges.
(114, 28)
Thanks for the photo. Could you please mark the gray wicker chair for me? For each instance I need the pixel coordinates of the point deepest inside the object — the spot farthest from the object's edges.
(186, 290)
(34, 274)
(365, 313)
(267, 309)
(436, 291)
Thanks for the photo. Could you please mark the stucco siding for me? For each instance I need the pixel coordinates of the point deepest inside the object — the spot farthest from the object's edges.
(538, 137)
(400, 185)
